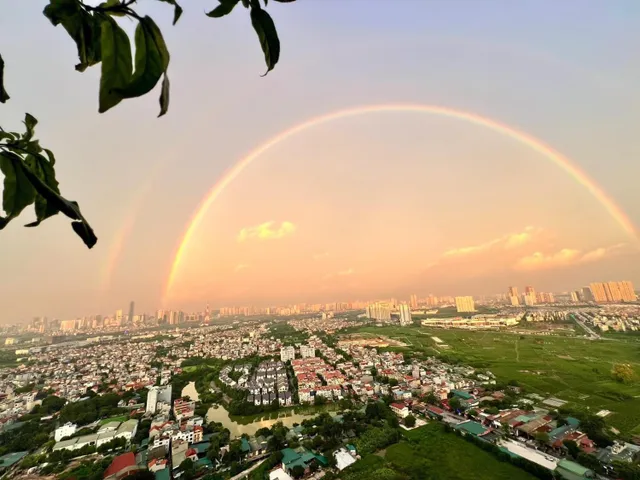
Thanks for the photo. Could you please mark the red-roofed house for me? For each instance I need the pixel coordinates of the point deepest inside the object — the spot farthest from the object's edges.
(400, 409)
(121, 467)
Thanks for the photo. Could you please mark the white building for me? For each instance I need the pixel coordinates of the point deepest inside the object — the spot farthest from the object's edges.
(405, 315)
(158, 395)
(279, 474)
(379, 311)
(343, 459)
(307, 351)
(65, 430)
(287, 353)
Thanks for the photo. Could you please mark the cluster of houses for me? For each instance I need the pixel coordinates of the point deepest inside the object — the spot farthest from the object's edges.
(269, 383)
(316, 378)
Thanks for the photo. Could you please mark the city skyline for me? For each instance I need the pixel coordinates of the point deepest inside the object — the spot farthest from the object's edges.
(489, 148)
(595, 292)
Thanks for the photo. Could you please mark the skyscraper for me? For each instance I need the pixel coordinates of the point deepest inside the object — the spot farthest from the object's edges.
(574, 297)
(598, 291)
(513, 296)
(465, 304)
(414, 301)
(613, 292)
(405, 315)
(587, 294)
(529, 295)
(131, 308)
(119, 317)
(627, 291)
(379, 311)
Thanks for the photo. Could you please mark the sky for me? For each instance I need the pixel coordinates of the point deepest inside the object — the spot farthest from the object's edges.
(371, 206)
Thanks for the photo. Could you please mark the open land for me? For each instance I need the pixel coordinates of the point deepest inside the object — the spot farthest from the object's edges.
(572, 369)
(445, 455)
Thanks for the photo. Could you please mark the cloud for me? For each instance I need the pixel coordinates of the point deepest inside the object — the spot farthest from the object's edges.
(241, 266)
(508, 241)
(564, 258)
(320, 256)
(343, 273)
(266, 231)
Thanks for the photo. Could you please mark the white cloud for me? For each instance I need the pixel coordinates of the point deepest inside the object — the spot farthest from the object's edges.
(266, 231)
(508, 241)
(564, 258)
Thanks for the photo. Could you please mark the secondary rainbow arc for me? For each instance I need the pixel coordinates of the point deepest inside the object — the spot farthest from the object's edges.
(535, 144)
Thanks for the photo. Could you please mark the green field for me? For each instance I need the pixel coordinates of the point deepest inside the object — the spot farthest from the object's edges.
(120, 418)
(434, 454)
(572, 369)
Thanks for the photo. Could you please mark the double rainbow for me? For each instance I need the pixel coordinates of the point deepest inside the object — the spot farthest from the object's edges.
(546, 151)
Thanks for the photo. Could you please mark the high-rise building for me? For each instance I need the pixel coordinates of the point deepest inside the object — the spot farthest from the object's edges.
(414, 301)
(405, 315)
(158, 395)
(627, 291)
(529, 295)
(379, 311)
(287, 353)
(306, 351)
(574, 297)
(131, 311)
(513, 296)
(587, 294)
(465, 304)
(613, 291)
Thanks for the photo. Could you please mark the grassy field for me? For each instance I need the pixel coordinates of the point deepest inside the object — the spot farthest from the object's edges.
(436, 454)
(572, 369)
(120, 418)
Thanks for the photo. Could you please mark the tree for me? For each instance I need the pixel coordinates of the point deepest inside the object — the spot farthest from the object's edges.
(297, 471)
(28, 168)
(572, 447)
(542, 437)
(188, 468)
(622, 372)
(410, 421)
(454, 403)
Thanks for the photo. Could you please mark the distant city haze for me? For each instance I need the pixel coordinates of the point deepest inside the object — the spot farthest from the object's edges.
(384, 204)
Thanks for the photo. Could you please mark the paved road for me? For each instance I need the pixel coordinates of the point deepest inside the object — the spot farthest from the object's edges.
(247, 471)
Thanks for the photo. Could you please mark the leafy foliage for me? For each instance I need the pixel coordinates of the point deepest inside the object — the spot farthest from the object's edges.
(29, 176)
(622, 372)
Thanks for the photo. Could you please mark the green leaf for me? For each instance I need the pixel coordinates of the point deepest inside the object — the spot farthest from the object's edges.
(116, 64)
(164, 95)
(52, 158)
(68, 207)
(152, 60)
(18, 191)
(4, 96)
(30, 122)
(82, 27)
(43, 168)
(177, 10)
(225, 8)
(268, 36)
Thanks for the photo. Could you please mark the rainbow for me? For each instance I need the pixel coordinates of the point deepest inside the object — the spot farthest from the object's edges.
(556, 157)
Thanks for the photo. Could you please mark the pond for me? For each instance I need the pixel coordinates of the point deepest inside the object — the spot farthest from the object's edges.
(218, 413)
